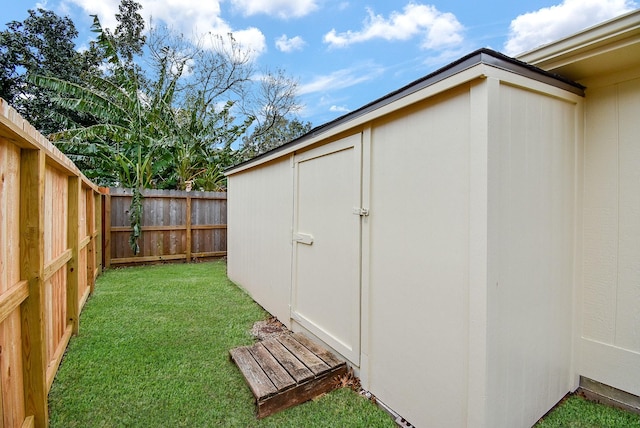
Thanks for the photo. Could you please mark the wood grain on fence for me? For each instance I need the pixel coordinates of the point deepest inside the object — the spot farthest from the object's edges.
(50, 255)
(176, 225)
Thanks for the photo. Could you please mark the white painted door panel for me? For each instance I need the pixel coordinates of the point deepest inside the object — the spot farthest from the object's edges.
(326, 290)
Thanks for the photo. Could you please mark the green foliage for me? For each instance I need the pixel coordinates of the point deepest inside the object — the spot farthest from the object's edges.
(135, 218)
(129, 32)
(44, 44)
(272, 135)
(153, 351)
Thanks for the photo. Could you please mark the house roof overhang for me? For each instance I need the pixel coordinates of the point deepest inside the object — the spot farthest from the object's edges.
(606, 48)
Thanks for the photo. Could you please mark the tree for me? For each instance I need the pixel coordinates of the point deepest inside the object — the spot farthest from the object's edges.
(128, 34)
(44, 44)
(128, 143)
(141, 138)
(271, 135)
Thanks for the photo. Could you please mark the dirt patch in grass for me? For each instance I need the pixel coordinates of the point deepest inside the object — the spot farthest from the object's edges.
(266, 329)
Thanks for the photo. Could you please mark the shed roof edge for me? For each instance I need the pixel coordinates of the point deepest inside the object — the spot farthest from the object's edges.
(478, 57)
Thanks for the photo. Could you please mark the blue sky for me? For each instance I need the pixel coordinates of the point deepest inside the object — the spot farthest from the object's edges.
(348, 53)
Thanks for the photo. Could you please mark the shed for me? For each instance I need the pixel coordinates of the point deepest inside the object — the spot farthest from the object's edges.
(434, 238)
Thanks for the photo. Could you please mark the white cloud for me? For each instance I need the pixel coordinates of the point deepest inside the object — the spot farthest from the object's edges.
(283, 9)
(437, 29)
(190, 17)
(339, 109)
(286, 44)
(552, 23)
(341, 79)
(105, 10)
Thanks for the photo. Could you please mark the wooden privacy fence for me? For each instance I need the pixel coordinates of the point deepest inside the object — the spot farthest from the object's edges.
(176, 225)
(50, 255)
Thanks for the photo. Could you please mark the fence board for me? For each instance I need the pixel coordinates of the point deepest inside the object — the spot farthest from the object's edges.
(176, 225)
(36, 259)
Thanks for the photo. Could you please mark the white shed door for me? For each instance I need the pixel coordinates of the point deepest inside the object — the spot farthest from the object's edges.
(326, 235)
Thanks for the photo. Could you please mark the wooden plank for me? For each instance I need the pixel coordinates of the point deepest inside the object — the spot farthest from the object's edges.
(272, 368)
(32, 173)
(106, 236)
(84, 242)
(258, 381)
(2, 401)
(156, 228)
(208, 226)
(12, 298)
(147, 259)
(90, 220)
(324, 354)
(52, 368)
(84, 298)
(169, 194)
(17, 134)
(308, 358)
(97, 237)
(188, 224)
(73, 241)
(29, 422)
(209, 254)
(291, 364)
(56, 264)
(301, 393)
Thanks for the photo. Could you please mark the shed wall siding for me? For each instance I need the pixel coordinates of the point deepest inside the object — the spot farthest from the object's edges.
(610, 333)
(260, 218)
(531, 243)
(418, 291)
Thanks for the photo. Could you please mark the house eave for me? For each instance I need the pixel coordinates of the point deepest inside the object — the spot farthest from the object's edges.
(608, 47)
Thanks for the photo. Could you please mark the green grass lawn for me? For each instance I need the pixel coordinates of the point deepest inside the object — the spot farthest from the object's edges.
(577, 412)
(153, 352)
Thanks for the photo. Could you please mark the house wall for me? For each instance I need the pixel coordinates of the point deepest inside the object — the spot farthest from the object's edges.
(533, 155)
(260, 218)
(609, 340)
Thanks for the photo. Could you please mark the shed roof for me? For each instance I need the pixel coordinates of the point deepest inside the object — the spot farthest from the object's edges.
(480, 56)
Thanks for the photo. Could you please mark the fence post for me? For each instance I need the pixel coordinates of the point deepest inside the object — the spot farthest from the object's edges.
(188, 224)
(90, 227)
(34, 351)
(97, 198)
(106, 227)
(73, 239)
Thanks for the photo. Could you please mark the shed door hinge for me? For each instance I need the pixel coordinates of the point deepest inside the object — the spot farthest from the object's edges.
(361, 211)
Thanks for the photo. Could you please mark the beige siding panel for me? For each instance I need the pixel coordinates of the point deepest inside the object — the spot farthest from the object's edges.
(600, 215)
(610, 345)
(418, 295)
(529, 304)
(627, 334)
(260, 218)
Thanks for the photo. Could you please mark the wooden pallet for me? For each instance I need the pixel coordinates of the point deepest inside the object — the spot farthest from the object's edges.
(287, 370)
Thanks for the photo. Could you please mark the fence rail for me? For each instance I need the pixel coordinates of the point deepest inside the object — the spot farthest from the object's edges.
(176, 225)
(50, 255)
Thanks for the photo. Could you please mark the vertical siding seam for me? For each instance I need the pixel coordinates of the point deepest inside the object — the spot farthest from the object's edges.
(617, 276)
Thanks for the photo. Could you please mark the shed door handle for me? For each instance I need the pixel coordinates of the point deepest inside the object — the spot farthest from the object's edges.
(303, 238)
